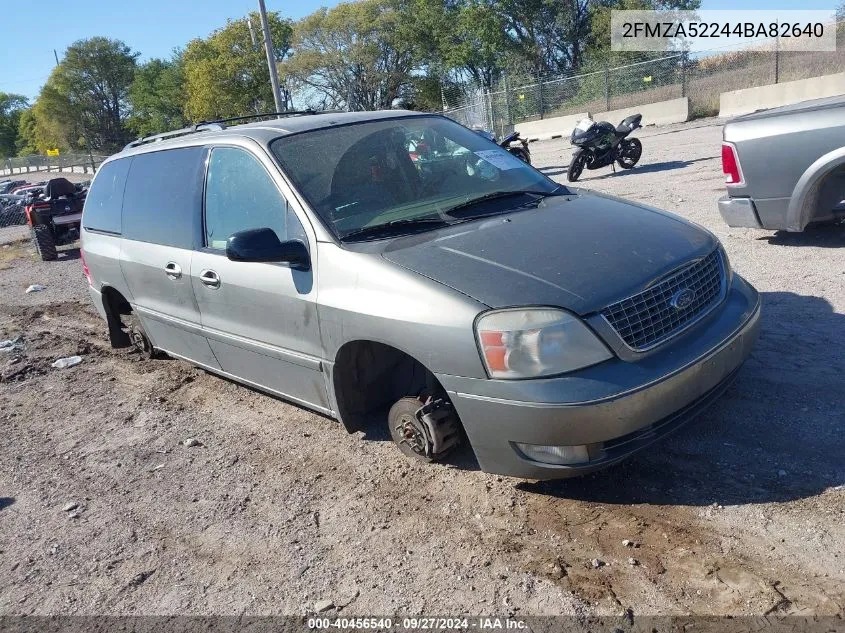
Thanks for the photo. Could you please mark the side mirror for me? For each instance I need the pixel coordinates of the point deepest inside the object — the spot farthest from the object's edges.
(263, 245)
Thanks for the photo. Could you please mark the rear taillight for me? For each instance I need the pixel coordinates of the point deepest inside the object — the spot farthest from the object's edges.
(85, 268)
(730, 165)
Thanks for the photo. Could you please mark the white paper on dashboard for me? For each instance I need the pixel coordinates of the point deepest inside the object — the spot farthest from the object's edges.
(499, 159)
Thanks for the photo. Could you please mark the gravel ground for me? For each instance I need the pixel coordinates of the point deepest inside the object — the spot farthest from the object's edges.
(105, 510)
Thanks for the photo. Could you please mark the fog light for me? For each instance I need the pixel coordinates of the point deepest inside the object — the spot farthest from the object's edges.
(562, 455)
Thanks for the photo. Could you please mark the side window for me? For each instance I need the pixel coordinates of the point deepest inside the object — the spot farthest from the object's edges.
(163, 198)
(103, 203)
(240, 195)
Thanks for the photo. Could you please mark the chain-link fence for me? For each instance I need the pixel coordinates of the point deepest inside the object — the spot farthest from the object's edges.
(12, 213)
(622, 81)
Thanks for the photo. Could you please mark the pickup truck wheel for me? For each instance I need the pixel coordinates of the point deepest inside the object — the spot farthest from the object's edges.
(44, 243)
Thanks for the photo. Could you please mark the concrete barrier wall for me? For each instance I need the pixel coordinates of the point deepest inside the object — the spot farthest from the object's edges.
(737, 102)
(555, 127)
(660, 113)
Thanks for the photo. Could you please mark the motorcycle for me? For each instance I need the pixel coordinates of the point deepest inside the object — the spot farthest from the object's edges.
(601, 144)
(513, 143)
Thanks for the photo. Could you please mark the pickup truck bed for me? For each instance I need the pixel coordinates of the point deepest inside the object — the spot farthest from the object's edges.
(790, 166)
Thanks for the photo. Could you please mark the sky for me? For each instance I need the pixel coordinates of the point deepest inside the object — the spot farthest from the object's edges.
(30, 31)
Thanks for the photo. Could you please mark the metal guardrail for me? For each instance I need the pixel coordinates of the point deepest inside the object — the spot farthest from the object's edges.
(76, 163)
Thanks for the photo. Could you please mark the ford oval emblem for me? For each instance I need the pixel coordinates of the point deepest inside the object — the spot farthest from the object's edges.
(682, 299)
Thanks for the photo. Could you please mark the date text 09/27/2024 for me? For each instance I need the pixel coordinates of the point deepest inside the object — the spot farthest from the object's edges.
(417, 623)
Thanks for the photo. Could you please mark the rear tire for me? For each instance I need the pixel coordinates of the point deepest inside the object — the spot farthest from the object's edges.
(138, 337)
(576, 166)
(45, 244)
(630, 151)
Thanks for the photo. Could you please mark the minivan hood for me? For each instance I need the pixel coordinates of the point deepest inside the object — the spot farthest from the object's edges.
(580, 252)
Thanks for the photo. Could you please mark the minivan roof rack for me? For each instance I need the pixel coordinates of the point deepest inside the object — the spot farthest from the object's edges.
(202, 126)
(264, 115)
(220, 125)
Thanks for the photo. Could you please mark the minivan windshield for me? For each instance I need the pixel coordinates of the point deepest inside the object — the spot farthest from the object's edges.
(382, 178)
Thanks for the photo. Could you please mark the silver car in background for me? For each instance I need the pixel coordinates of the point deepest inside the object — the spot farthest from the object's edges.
(785, 167)
(464, 297)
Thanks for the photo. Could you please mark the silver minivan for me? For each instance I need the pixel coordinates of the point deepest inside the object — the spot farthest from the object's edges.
(397, 268)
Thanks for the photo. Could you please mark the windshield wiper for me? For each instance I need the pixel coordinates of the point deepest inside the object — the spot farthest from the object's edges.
(396, 227)
(497, 195)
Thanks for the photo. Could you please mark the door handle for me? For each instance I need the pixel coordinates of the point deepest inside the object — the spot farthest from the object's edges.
(210, 278)
(173, 270)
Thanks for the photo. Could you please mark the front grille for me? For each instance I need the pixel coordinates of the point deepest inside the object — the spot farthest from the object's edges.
(647, 318)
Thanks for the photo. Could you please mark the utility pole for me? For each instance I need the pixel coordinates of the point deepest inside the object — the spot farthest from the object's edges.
(271, 61)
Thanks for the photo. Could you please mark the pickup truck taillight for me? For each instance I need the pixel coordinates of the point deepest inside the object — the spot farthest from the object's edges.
(730, 165)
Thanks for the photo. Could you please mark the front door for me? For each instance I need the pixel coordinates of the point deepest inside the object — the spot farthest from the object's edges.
(260, 318)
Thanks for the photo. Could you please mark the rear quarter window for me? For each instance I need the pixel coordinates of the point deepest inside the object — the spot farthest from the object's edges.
(102, 211)
(162, 203)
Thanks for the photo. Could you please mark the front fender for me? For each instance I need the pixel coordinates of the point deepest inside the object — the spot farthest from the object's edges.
(806, 191)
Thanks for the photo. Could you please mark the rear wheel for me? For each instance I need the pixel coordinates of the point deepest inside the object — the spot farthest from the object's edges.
(576, 166)
(45, 244)
(138, 337)
(630, 151)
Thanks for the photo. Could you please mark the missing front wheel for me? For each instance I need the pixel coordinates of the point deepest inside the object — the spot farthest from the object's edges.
(424, 430)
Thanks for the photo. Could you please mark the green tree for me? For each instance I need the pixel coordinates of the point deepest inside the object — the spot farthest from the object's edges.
(477, 42)
(26, 143)
(226, 73)
(84, 101)
(58, 121)
(12, 107)
(157, 97)
(353, 55)
(456, 39)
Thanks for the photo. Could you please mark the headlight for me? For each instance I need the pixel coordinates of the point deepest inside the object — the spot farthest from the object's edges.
(535, 342)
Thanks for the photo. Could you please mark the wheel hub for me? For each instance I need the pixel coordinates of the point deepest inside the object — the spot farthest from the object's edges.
(139, 340)
(411, 434)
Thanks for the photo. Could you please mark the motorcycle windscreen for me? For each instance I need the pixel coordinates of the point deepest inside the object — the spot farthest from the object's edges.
(584, 125)
(583, 131)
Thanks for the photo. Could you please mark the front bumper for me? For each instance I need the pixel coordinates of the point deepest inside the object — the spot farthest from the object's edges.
(739, 212)
(616, 407)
